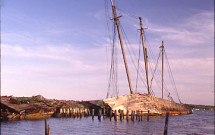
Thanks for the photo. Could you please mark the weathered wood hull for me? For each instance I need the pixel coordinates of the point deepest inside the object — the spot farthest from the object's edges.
(144, 102)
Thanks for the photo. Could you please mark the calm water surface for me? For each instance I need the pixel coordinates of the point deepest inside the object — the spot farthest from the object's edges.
(200, 122)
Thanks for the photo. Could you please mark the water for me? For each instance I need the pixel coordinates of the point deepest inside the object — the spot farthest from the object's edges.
(200, 122)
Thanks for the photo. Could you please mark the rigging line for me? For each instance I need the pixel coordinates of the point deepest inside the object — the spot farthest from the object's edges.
(128, 14)
(172, 78)
(151, 54)
(158, 82)
(106, 46)
(138, 63)
(110, 77)
(170, 73)
(155, 68)
(150, 49)
(141, 78)
(116, 74)
(133, 54)
(109, 35)
(112, 71)
(132, 59)
(125, 36)
(112, 62)
(128, 42)
(158, 72)
(152, 58)
(128, 48)
(165, 87)
(115, 66)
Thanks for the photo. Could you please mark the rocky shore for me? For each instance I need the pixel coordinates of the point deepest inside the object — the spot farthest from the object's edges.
(38, 107)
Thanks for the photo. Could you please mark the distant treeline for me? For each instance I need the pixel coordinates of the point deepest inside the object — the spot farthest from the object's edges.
(202, 107)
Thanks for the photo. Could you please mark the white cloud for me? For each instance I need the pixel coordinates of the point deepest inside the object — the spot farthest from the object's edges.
(41, 67)
(195, 30)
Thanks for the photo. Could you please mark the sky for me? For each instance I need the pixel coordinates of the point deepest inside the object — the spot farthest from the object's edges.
(61, 48)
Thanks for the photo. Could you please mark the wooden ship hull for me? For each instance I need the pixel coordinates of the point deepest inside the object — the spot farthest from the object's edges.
(145, 102)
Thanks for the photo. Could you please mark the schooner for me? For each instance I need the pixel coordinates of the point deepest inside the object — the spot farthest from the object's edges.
(143, 102)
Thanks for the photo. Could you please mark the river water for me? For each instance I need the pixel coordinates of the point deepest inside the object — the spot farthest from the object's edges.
(200, 122)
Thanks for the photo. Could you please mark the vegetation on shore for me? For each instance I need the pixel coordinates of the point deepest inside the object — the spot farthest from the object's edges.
(202, 107)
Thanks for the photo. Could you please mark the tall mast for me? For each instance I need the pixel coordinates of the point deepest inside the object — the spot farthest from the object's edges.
(162, 47)
(145, 56)
(122, 47)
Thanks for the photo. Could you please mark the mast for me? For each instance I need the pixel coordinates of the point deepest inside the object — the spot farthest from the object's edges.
(122, 47)
(145, 56)
(162, 47)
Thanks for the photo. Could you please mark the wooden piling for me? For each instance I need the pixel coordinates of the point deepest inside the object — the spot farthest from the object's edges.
(49, 130)
(80, 111)
(148, 116)
(93, 113)
(61, 112)
(166, 124)
(85, 112)
(73, 113)
(67, 112)
(64, 112)
(137, 115)
(100, 114)
(123, 114)
(127, 114)
(132, 114)
(141, 115)
(70, 112)
(76, 112)
(120, 111)
(111, 113)
(104, 112)
(88, 112)
(46, 132)
(115, 115)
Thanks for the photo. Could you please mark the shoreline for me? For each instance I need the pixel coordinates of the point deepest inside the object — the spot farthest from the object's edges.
(38, 107)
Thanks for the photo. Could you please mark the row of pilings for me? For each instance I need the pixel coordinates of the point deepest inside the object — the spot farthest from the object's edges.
(72, 112)
(85, 112)
(138, 115)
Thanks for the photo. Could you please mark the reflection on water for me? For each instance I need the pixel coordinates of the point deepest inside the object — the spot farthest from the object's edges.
(201, 122)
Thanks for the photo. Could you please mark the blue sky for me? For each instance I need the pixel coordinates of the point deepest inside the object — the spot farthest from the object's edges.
(60, 48)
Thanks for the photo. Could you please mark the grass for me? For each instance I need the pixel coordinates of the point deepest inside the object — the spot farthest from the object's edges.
(202, 107)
